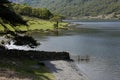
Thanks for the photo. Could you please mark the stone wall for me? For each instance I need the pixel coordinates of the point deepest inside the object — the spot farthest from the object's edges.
(39, 55)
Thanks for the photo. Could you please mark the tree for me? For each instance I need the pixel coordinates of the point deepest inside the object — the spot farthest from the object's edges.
(56, 19)
(4, 2)
(8, 15)
(26, 10)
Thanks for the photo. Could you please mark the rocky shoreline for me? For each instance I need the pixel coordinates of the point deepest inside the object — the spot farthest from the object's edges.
(31, 54)
(65, 70)
(59, 63)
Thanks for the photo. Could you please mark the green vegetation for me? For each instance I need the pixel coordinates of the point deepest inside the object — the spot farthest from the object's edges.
(39, 24)
(34, 19)
(1, 28)
(26, 10)
(8, 18)
(34, 24)
(76, 8)
(8, 15)
(26, 69)
(11, 20)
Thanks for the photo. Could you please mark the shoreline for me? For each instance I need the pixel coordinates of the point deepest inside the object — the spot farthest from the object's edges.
(61, 66)
(65, 70)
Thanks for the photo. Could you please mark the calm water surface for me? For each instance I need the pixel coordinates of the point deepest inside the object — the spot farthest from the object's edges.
(99, 40)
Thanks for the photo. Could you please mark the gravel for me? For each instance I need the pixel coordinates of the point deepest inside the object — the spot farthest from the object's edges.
(65, 70)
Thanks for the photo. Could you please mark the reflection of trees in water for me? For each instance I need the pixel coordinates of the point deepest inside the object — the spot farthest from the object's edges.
(56, 33)
(78, 58)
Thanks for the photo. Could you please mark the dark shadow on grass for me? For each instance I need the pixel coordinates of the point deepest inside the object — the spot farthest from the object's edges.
(22, 69)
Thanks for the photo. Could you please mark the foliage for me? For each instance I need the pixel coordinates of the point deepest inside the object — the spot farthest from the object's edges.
(25, 40)
(4, 1)
(38, 24)
(26, 10)
(8, 15)
(77, 7)
(56, 18)
(9, 18)
(34, 24)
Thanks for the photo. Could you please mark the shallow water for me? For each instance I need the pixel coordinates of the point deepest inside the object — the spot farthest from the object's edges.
(98, 40)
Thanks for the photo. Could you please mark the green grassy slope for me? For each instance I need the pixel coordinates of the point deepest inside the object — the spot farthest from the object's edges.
(34, 24)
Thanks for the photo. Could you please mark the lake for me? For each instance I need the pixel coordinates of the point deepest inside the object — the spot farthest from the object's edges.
(98, 40)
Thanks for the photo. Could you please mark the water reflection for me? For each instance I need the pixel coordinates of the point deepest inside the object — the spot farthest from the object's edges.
(80, 59)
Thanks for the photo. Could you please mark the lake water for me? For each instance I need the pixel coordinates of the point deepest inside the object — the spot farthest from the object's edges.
(98, 40)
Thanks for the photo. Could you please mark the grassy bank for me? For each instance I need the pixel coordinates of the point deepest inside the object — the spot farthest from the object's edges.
(34, 24)
(23, 69)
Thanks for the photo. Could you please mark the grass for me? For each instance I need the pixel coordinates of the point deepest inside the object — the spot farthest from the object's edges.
(1, 28)
(34, 24)
(9, 27)
(27, 69)
(39, 24)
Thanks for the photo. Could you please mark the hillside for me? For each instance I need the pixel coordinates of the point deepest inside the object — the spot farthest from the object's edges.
(77, 8)
(22, 18)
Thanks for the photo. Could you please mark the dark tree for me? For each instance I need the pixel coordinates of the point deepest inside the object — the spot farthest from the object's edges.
(7, 14)
(4, 1)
